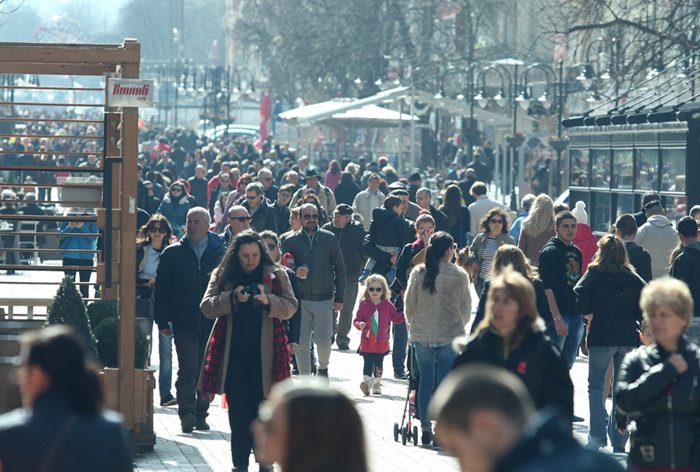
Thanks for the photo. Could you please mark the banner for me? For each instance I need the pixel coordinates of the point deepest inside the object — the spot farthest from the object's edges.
(130, 93)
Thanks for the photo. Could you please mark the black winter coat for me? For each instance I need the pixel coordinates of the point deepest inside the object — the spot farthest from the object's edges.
(181, 281)
(613, 299)
(664, 406)
(537, 362)
(345, 193)
(686, 267)
(547, 445)
(264, 217)
(350, 240)
(640, 259)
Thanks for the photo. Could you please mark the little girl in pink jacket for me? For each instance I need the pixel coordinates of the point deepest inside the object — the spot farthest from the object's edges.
(374, 317)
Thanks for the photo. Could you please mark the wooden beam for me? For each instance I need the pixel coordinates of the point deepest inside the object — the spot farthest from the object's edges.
(66, 54)
(55, 69)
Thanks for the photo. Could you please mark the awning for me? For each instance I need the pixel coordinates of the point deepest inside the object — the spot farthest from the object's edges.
(370, 116)
(321, 112)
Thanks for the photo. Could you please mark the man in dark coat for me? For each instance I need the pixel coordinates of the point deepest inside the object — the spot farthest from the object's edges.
(626, 229)
(197, 186)
(257, 205)
(486, 417)
(424, 199)
(686, 267)
(350, 235)
(181, 280)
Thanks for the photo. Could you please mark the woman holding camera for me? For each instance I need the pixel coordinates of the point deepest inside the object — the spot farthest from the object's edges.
(248, 295)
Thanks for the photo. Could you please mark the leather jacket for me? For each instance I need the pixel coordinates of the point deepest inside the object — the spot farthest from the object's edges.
(664, 406)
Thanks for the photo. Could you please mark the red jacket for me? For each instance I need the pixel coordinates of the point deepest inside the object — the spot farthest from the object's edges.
(586, 241)
(387, 315)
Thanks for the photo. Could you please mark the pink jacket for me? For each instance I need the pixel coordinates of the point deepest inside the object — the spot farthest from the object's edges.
(387, 315)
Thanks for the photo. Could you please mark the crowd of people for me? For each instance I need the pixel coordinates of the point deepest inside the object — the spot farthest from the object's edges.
(254, 263)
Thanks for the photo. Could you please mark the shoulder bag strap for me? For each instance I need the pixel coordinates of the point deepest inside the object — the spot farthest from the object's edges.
(58, 441)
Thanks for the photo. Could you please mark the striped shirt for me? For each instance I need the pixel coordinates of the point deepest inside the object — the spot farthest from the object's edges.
(490, 248)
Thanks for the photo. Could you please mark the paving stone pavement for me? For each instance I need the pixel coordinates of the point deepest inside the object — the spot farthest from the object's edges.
(210, 451)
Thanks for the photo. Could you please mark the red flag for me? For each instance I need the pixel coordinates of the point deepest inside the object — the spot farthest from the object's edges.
(265, 115)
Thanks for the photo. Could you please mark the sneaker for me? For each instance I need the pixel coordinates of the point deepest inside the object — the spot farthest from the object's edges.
(323, 373)
(343, 347)
(188, 422)
(426, 437)
(400, 375)
(377, 386)
(168, 400)
(202, 425)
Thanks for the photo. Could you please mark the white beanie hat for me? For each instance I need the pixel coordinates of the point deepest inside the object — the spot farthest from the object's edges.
(580, 213)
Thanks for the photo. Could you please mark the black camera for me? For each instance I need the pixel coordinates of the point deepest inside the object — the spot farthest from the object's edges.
(251, 289)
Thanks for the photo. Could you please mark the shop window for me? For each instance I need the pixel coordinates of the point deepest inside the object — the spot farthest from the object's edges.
(578, 159)
(647, 169)
(622, 173)
(673, 170)
(599, 216)
(625, 204)
(600, 168)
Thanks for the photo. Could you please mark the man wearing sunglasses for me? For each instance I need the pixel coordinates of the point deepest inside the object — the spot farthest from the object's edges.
(262, 213)
(320, 271)
(238, 221)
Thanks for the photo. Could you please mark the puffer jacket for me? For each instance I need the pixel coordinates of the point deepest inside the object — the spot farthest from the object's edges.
(321, 254)
(68, 241)
(613, 299)
(664, 406)
(659, 238)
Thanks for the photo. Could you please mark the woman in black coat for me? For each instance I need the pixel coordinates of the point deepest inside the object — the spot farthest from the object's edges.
(608, 296)
(659, 385)
(510, 336)
(346, 190)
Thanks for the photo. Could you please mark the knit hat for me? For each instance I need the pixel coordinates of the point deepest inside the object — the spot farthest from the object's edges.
(580, 213)
(688, 227)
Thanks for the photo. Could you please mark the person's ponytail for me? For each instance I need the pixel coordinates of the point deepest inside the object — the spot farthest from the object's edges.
(440, 243)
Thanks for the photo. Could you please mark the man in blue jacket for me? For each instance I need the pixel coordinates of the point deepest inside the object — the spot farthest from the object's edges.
(181, 280)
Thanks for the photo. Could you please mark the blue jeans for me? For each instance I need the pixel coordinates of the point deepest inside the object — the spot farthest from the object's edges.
(434, 363)
(165, 364)
(398, 350)
(568, 345)
(598, 361)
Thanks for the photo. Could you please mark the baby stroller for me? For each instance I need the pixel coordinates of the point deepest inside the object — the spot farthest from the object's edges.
(407, 430)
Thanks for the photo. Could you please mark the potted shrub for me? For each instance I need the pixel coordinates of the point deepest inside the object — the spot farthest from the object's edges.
(68, 309)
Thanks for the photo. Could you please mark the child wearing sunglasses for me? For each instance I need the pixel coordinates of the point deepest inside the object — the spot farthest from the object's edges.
(374, 316)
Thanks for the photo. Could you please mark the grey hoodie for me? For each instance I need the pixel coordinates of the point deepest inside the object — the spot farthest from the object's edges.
(659, 238)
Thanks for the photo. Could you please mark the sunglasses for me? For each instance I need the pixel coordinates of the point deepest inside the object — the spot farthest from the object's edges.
(159, 229)
(496, 222)
(313, 216)
(240, 218)
(375, 289)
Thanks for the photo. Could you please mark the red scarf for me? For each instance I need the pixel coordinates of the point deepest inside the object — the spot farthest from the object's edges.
(216, 347)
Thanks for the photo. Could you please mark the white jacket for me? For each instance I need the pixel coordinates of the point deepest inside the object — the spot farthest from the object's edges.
(659, 238)
(478, 210)
(361, 206)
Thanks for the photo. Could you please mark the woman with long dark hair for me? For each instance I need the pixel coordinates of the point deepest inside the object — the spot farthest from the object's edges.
(309, 427)
(347, 189)
(151, 239)
(247, 352)
(457, 215)
(437, 305)
(63, 426)
(175, 205)
(332, 178)
(494, 226)
(608, 296)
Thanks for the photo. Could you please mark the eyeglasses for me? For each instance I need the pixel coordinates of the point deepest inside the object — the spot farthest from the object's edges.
(375, 289)
(496, 222)
(158, 229)
(240, 218)
(310, 216)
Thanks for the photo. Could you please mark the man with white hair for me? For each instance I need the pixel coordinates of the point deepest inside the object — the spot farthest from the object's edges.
(424, 199)
(182, 278)
(197, 186)
(268, 183)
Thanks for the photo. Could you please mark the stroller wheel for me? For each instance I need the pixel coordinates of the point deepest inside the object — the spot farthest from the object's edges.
(415, 435)
(404, 435)
(396, 432)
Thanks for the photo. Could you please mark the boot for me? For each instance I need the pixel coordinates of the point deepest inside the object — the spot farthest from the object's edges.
(366, 384)
(377, 385)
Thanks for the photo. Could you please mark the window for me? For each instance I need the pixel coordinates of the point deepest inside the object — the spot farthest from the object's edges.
(578, 159)
(599, 218)
(622, 173)
(647, 169)
(625, 204)
(673, 170)
(600, 168)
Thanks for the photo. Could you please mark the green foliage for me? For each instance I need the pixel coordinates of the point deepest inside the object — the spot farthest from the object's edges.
(107, 334)
(68, 309)
(100, 310)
